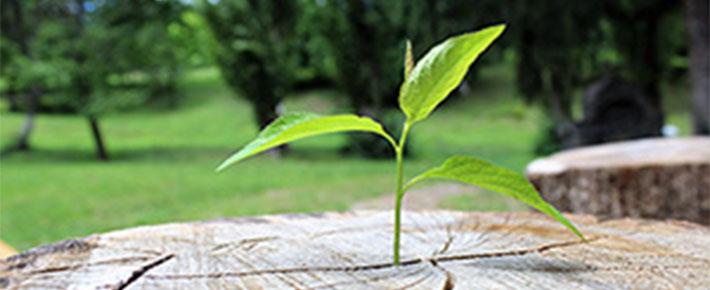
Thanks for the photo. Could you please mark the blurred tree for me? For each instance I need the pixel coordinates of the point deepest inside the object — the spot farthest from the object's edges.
(555, 44)
(257, 51)
(367, 40)
(316, 68)
(561, 46)
(92, 57)
(636, 26)
(192, 38)
(698, 26)
(554, 41)
(14, 48)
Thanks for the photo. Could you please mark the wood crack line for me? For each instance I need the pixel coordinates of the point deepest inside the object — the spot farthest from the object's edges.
(521, 252)
(78, 266)
(450, 281)
(368, 267)
(142, 270)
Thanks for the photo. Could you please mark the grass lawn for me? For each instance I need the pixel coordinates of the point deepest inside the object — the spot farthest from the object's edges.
(162, 167)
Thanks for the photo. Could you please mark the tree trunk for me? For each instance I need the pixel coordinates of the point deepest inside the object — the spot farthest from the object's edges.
(101, 152)
(648, 64)
(441, 250)
(697, 23)
(636, 37)
(23, 141)
(559, 99)
(652, 178)
(13, 103)
(267, 112)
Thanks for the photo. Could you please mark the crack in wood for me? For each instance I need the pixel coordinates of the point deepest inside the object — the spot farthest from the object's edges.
(349, 230)
(447, 243)
(246, 244)
(370, 267)
(374, 279)
(77, 266)
(22, 260)
(449, 282)
(142, 270)
(589, 268)
(521, 252)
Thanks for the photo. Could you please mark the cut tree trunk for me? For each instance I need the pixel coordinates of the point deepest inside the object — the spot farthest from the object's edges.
(651, 178)
(441, 250)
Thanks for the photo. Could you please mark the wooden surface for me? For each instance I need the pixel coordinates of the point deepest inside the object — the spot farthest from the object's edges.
(653, 178)
(441, 250)
(6, 250)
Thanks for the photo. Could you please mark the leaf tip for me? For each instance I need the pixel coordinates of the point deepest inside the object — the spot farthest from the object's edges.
(499, 26)
(229, 162)
(408, 59)
(498, 29)
(221, 167)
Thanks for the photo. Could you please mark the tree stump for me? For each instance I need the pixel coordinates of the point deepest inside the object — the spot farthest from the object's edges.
(652, 178)
(352, 250)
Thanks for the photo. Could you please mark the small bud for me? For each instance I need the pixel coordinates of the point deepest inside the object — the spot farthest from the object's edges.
(408, 60)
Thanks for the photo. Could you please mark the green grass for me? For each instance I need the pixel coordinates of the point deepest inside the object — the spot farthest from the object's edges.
(162, 167)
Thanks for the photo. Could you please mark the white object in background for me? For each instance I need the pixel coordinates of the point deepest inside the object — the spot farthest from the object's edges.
(669, 130)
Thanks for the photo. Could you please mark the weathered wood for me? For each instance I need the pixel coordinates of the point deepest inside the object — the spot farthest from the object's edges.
(352, 250)
(6, 250)
(652, 178)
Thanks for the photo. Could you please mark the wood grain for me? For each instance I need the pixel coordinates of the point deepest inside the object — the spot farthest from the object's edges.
(662, 178)
(352, 250)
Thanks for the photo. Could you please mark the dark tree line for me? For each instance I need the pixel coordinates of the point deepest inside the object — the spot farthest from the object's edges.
(698, 24)
(92, 57)
(268, 49)
(86, 57)
(564, 45)
(257, 50)
(561, 47)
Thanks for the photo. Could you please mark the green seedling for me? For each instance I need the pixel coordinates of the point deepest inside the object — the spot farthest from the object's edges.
(425, 86)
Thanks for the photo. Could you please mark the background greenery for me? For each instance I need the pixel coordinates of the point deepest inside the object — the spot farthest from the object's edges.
(179, 85)
(162, 168)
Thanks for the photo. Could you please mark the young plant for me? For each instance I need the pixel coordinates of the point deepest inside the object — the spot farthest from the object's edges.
(425, 85)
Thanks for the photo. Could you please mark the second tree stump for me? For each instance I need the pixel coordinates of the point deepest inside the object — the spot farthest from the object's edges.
(653, 178)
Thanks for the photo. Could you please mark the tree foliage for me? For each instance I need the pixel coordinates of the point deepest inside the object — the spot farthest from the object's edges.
(96, 56)
(562, 46)
(92, 57)
(257, 49)
(367, 39)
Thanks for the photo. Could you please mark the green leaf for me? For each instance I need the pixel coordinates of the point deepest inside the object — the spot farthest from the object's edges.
(488, 176)
(294, 126)
(441, 70)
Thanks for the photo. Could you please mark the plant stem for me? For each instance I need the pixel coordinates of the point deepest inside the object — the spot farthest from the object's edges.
(399, 150)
